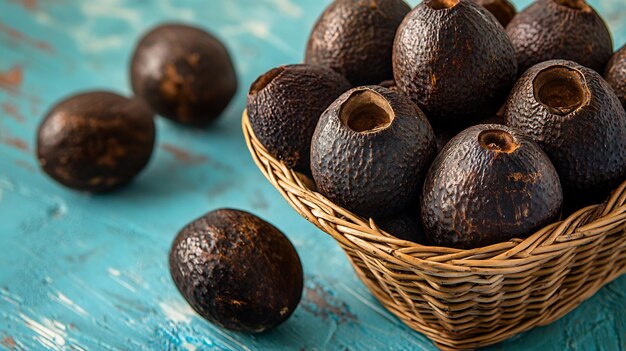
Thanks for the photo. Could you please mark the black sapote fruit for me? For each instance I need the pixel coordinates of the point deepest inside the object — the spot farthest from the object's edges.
(95, 141)
(577, 119)
(237, 271)
(503, 10)
(489, 184)
(184, 73)
(284, 105)
(454, 60)
(615, 74)
(355, 38)
(560, 29)
(371, 150)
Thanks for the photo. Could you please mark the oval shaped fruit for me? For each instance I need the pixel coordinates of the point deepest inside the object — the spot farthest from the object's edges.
(237, 271)
(503, 10)
(371, 150)
(615, 74)
(576, 118)
(95, 141)
(184, 73)
(489, 184)
(454, 60)
(560, 29)
(355, 38)
(284, 106)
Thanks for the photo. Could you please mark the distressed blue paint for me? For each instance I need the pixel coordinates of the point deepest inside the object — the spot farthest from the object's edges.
(89, 272)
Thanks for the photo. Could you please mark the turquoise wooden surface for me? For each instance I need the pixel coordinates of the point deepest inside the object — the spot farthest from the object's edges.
(81, 272)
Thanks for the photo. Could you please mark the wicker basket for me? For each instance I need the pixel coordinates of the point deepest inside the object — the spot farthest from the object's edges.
(465, 299)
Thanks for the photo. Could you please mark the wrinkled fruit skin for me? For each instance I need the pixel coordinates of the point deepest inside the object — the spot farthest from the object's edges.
(237, 270)
(95, 141)
(546, 30)
(372, 174)
(442, 58)
(355, 38)
(284, 113)
(184, 73)
(615, 74)
(474, 197)
(588, 146)
(503, 10)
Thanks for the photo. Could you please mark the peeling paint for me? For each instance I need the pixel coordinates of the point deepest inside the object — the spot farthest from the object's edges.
(12, 79)
(16, 143)
(20, 37)
(50, 333)
(176, 311)
(183, 156)
(12, 111)
(320, 302)
(30, 5)
(66, 302)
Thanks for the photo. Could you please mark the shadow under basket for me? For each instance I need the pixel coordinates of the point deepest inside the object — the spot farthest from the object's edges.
(465, 299)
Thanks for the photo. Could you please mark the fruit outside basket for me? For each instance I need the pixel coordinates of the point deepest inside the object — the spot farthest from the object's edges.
(465, 299)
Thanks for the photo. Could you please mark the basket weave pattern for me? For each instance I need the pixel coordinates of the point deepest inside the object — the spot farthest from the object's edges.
(464, 299)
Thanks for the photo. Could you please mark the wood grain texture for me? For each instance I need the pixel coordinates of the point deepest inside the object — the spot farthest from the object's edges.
(81, 272)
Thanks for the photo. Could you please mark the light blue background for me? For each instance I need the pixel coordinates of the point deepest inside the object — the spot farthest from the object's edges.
(90, 272)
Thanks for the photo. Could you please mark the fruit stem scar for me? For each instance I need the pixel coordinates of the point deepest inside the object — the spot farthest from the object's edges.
(265, 79)
(497, 140)
(562, 90)
(574, 4)
(441, 4)
(366, 111)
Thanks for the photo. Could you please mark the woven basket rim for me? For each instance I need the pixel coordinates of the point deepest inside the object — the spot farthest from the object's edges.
(577, 229)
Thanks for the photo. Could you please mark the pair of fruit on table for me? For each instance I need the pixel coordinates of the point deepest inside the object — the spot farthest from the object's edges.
(370, 150)
(98, 141)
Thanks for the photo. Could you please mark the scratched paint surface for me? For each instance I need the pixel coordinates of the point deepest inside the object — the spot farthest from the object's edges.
(81, 272)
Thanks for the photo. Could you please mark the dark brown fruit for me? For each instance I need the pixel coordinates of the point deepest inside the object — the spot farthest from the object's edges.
(237, 271)
(371, 150)
(576, 118)
(615, 74)
(284, 106)
(454, 60)
(95, 141)
(503, 10)
(355, 38)
(406, 225)
(560, 29)
(488, 185)
(184, 73)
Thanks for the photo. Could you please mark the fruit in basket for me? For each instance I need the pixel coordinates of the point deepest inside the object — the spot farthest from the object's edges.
(284, 106)
(616, 74)
(355, 38)
(560, 29)
(454, 60)
(237, 271)
(371, 150)
(184, 73)
(95, 141)
(577, 119)
(503, 10)
(406, 225)
(489, 184)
